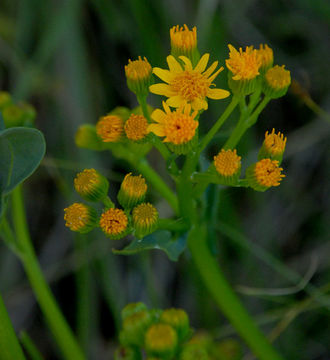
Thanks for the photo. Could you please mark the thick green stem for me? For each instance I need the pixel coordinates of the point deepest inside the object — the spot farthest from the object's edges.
(10, 348)
(157, 182)
(54, 317)
(224, 296)
(216, 127)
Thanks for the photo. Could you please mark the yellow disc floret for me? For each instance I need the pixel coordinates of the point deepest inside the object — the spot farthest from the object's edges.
(183, 39)
(161, 340)
(268, 173)
(266, 56)
(227, 162)
(114, 223)
(136, 127)
(178, 126)
(139, 76)
(275, 143)
(91, 185)
(188, 85)
(145, 219)
(80, 217)
(244, 65)
(110, 128)
(278, 78)
(132, 190)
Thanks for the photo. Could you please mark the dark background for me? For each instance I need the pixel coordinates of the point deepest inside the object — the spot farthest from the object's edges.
(67, 58)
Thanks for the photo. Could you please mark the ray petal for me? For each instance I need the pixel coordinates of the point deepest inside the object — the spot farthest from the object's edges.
(199, 104)
(210, 70)
(201, 66)
(158, 116)
(173, 65)
(211, 78)
(156, 129)
(187, 63)
(175, 101)
(163, 74)
(161, 89)
(217, 94)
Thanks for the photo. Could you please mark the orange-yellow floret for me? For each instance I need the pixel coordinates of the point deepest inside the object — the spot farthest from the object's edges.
(136, 127)
(187, 85)
(138, 69)
(86, 181)
(182, 38)
(177, 126)
(77, 216)
(274, 143)
(134, 185)
(227, 162)
(110, 128)
(244, 65)
(278, 77)
(268, 173)
(113, 222)
(145, 215)
(266, 56)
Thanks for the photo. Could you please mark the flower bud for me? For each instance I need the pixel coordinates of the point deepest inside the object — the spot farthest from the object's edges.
(193, 352)
(276, 82)
(228, 166)
(145, 219)
(161, 340)
(132, 191)
(135, 327)
(114, 223)
(139, 76)
(273, 146)
(136, 128)
(179, 320)
(110, 128)
(91, 185)
(80, 218)
(132, 308)
(13, 115)
(264, 174)
(184, 42)
(266, 56)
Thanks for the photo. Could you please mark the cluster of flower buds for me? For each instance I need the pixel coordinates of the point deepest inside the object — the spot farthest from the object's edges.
(136, 216)
(166, 334)
(20, 114)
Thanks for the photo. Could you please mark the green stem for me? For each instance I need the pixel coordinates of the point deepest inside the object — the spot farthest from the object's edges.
(172, 225)
(157, 182)
(224, 296)
(30, 347)
(54, 317)
(244, 124)
(9, 345)
(215, 128)
(142, 100)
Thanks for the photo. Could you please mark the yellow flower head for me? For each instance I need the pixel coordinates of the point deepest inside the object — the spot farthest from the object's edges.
(178, 319)
(227, 162)
(161, 340)
(139, 76)
(278, 78)
(274, 143)
(145, 219)
(264, 174)
(266, 56)
(80, 217)
(113, 223)
(136, 127)
(110, 128)
(91, 185)
(188, 85)
(178, 127)
(244, 65)
(183, 40)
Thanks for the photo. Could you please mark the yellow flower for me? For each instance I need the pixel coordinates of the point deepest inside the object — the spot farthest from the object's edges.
(110, 128)
(91, 185)
(243, 64)
(188, 85)
(278, 78)
(132, 191)
(264, 174)
(161, 340)
(178, 319)
(227, 162)
(139, 76)
(136, 127)
(178, 127)
(182, 38)
(80, 217)
(113, 223)
(266, 56)
(145, 219)
(275, 143)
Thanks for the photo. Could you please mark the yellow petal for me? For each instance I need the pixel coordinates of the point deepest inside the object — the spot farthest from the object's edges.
(200, 67)
(161, 89)
(156, 129)
(199, 104)
(217, 94)
(163, 74)
(175, 101)
(211, 78)
(210, 70)
(166, 108)
(158, 116)
(173, 65)
(187, 62)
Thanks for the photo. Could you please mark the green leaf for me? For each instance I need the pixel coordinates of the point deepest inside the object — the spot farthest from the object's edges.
(161, 240)
(22, 150)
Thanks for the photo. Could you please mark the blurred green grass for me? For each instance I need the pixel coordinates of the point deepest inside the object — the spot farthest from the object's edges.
(67, 58)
